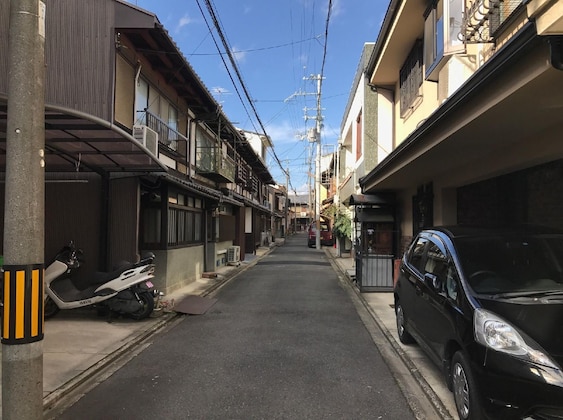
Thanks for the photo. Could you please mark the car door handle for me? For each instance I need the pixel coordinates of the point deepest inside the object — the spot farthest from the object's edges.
(418, 290)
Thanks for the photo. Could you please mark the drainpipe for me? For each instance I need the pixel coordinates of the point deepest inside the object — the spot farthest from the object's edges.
(188, 146)
(137, 74)
(555, 52)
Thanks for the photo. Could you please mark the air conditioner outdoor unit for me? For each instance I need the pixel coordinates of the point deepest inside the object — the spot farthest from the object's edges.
(147, 137)
(233, 255)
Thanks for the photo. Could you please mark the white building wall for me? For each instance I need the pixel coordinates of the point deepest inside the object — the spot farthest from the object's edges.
(385, 133)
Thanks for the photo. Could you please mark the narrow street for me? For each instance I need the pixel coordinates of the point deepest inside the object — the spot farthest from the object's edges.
(284, 341)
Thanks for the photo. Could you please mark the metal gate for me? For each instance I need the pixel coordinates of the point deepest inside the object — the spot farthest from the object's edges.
(374, 272)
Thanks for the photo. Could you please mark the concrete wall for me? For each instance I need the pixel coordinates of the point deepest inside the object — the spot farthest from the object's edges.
(176, 268)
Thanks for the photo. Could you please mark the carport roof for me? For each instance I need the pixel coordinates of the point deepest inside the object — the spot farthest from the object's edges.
(75, 141)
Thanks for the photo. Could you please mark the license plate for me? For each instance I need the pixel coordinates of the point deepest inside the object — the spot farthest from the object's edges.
(149, 283)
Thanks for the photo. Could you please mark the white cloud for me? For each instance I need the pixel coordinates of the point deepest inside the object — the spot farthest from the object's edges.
(283, 132)
(219, 92)
(239, 55)
(184, 21)
(336, 8)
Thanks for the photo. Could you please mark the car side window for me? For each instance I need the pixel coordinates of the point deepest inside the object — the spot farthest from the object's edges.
(436, 264)
(416, 253)
(452, 282)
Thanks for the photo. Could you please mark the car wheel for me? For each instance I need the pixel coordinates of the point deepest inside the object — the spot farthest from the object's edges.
(404, 336)
(466, 393)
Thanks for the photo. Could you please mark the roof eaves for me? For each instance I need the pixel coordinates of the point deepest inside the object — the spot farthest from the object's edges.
(485, 74)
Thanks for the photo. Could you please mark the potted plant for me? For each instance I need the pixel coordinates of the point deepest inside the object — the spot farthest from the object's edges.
(342, 229)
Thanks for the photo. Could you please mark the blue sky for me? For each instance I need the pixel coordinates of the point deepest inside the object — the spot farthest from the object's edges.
(277, 45)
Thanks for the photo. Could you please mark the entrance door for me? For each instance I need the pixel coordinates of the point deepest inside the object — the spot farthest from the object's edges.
(376, 256)
(377, 238)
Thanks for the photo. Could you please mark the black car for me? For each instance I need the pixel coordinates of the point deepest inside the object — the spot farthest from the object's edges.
(487, 307)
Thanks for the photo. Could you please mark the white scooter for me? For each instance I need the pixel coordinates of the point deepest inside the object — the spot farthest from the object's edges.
(127, 290)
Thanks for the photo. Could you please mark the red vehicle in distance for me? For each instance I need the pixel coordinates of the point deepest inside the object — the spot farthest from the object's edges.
(326, 234)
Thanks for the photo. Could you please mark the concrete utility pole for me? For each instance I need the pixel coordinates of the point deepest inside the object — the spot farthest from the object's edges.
(316, 138)
(286, 225)
(22, 329)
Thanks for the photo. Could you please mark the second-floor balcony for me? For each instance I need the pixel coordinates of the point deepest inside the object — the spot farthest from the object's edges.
(167, 135)
(213, 164)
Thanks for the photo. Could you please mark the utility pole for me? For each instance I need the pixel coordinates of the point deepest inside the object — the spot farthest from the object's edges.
(316, 137)
(22, 329)
(286, 226)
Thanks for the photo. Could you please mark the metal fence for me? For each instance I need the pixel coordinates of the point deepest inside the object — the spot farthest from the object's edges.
(374, 272)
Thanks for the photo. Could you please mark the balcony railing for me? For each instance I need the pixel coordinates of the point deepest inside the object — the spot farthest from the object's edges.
(166, 134)
(483, 18)
(213, 164)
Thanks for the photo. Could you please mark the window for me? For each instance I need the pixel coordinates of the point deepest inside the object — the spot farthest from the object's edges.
(411, 79)
(442, 34)
(436, 263)
(141, 101)
(416, 253)
(184, 225)
(172, 126)
(452, 282)
(359, 150)
(433, 38)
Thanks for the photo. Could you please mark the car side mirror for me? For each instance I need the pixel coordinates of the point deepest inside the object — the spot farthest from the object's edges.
(433, 281)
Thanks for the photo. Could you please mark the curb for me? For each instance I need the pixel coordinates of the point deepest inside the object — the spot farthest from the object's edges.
(50, 400)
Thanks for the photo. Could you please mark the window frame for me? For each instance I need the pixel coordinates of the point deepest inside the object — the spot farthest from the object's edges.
(419, 266)
(183, 227)
(411, 79)
(442, 20)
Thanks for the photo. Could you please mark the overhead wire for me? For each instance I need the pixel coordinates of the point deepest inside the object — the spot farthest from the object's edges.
(234, 65)
(222, 58)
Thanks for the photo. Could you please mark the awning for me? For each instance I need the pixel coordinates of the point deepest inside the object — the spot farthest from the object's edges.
(203, 190)
(372, 199)
(381, 215)
(76, 141)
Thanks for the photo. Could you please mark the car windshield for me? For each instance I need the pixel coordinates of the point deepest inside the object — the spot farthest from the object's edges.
(513, 265)
(324, 227)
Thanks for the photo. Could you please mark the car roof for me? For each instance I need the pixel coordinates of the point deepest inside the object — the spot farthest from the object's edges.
(460, 231)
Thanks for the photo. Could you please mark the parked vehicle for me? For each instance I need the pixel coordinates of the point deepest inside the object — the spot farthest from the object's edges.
(127, 290)
(487, 307)
(326, 234)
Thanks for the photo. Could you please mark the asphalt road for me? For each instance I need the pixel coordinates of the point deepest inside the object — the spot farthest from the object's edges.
(284, 341)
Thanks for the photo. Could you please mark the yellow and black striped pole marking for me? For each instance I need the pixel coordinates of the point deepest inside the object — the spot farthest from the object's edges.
(22, 318)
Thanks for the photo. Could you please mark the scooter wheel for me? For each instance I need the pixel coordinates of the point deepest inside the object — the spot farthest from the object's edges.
(148, 305)
(50, 308)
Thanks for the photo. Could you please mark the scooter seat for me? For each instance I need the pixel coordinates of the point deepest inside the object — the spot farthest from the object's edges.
(99, 277)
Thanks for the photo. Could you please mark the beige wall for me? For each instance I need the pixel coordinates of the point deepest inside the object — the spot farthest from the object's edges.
(428, 104)
(161, 94)
(175, 268)
(124, 92)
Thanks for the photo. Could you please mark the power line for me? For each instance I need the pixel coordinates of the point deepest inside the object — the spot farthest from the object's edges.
(263, 48)
(234, 65)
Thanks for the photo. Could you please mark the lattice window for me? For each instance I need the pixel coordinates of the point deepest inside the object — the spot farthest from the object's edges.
(411, 78)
